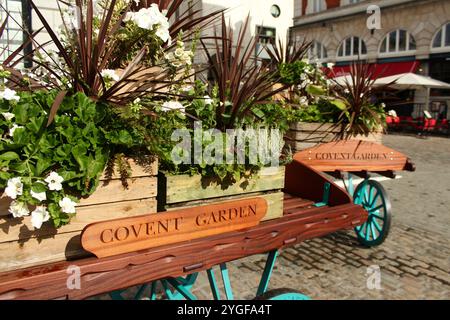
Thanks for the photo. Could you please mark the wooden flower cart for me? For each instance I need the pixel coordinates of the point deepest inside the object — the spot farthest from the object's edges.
(173, 247)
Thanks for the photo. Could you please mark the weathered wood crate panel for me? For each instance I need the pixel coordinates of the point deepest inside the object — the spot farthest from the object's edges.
(184, 191)
(22, 246)
(306, 135)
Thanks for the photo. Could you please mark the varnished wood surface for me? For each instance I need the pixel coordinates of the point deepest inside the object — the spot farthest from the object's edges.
(354, 156)
(108, 274)
(113, 237)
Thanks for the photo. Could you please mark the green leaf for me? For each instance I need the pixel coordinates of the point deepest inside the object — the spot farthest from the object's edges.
(315, 90)
(339, 104)
(9, 156)
(38, 187)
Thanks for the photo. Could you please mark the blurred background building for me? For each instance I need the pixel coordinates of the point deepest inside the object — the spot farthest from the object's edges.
(414, 36)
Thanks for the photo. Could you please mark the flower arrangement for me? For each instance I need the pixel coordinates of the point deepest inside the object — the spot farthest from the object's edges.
(85, 107)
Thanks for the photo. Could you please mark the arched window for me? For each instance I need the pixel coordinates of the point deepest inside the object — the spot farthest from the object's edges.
(442, 38)
(317, 51)
(352, 47)
(396, 42)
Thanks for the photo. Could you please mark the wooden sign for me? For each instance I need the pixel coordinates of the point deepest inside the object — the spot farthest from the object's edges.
(354, 156)
(120, 236)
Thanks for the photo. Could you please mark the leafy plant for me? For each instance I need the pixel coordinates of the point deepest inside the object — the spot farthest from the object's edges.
(241, 82)
(359, 114)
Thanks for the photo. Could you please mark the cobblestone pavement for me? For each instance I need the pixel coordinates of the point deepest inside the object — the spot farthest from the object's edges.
(414, 261)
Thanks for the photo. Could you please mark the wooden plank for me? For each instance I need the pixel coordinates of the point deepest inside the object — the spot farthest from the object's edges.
(34, 252)
(13, 230)
(274, 203)
(183, 188)
(353, 156)
(105, 275)
(64, 244)
(315, 127)
(105, 239)
(139, 168)
(113, 191)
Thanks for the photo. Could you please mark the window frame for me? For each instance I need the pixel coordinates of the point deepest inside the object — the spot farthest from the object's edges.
(407, 52)
(442, 47)
(352, 56)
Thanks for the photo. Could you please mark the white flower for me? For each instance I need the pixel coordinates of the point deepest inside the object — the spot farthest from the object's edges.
(304, 101)
(179, 52)
(109, 74)
(41, 196)
(187, 88)
(67, 205)
(18, 209)
(330, 65)
(39, 216)
(172, 105)
(9, 95)
(8, 115)
(54, 181)
(208, 100)
(164, 35)
(13, 129)
(14, 188)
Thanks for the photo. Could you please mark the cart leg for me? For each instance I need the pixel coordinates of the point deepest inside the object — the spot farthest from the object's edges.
(213, 284)
(270, 263)
(226, 282)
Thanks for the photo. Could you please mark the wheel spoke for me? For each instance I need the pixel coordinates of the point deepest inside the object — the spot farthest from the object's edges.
(377, 226)
(372, 189)
(376, 208)
(367, 232)
(374, 199)
(378, 217)
(372, 228)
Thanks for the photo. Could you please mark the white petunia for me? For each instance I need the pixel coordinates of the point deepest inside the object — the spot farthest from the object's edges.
(39, 216)
(18, 209)
(8, 115)
(14, 188)
(109, 74)
(13, 129)
(54, 181)
(9, 95)
(41, 196)
(172, 105)
(67, 205)
(208, 100)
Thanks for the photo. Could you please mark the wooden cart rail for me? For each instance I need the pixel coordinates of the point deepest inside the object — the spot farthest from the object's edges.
(105, 275)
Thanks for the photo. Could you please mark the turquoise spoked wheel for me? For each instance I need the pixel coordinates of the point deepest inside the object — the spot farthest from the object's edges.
(374, 199)
(283, 294)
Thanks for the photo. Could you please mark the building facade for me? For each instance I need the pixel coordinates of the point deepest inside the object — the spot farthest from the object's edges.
(271, 19)
(411, 36)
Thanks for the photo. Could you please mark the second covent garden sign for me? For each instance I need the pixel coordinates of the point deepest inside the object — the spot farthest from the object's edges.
(120, 236)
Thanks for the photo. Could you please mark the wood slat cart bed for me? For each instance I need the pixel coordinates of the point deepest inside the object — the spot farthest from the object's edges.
(313, 209)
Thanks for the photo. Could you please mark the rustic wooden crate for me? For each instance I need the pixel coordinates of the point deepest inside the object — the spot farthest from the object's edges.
(21, 246)
(184, 191)
(304, 135)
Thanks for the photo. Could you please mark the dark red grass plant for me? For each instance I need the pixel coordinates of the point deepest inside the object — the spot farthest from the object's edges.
(89, 54)
(361, 114)
(241, 81)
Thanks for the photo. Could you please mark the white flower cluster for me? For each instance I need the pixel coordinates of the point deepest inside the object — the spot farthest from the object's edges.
(110, 75)
(172, 106)
(151, 19)
(8, 94)
(40, 214)
(180, 57)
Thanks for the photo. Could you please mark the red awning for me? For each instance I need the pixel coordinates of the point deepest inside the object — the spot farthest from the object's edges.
(381, 69)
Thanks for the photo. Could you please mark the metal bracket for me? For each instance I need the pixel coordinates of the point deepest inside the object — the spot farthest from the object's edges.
(326, 196)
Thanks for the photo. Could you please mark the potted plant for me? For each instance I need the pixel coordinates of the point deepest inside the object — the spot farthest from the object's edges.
(204, 162)
(76, 141)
